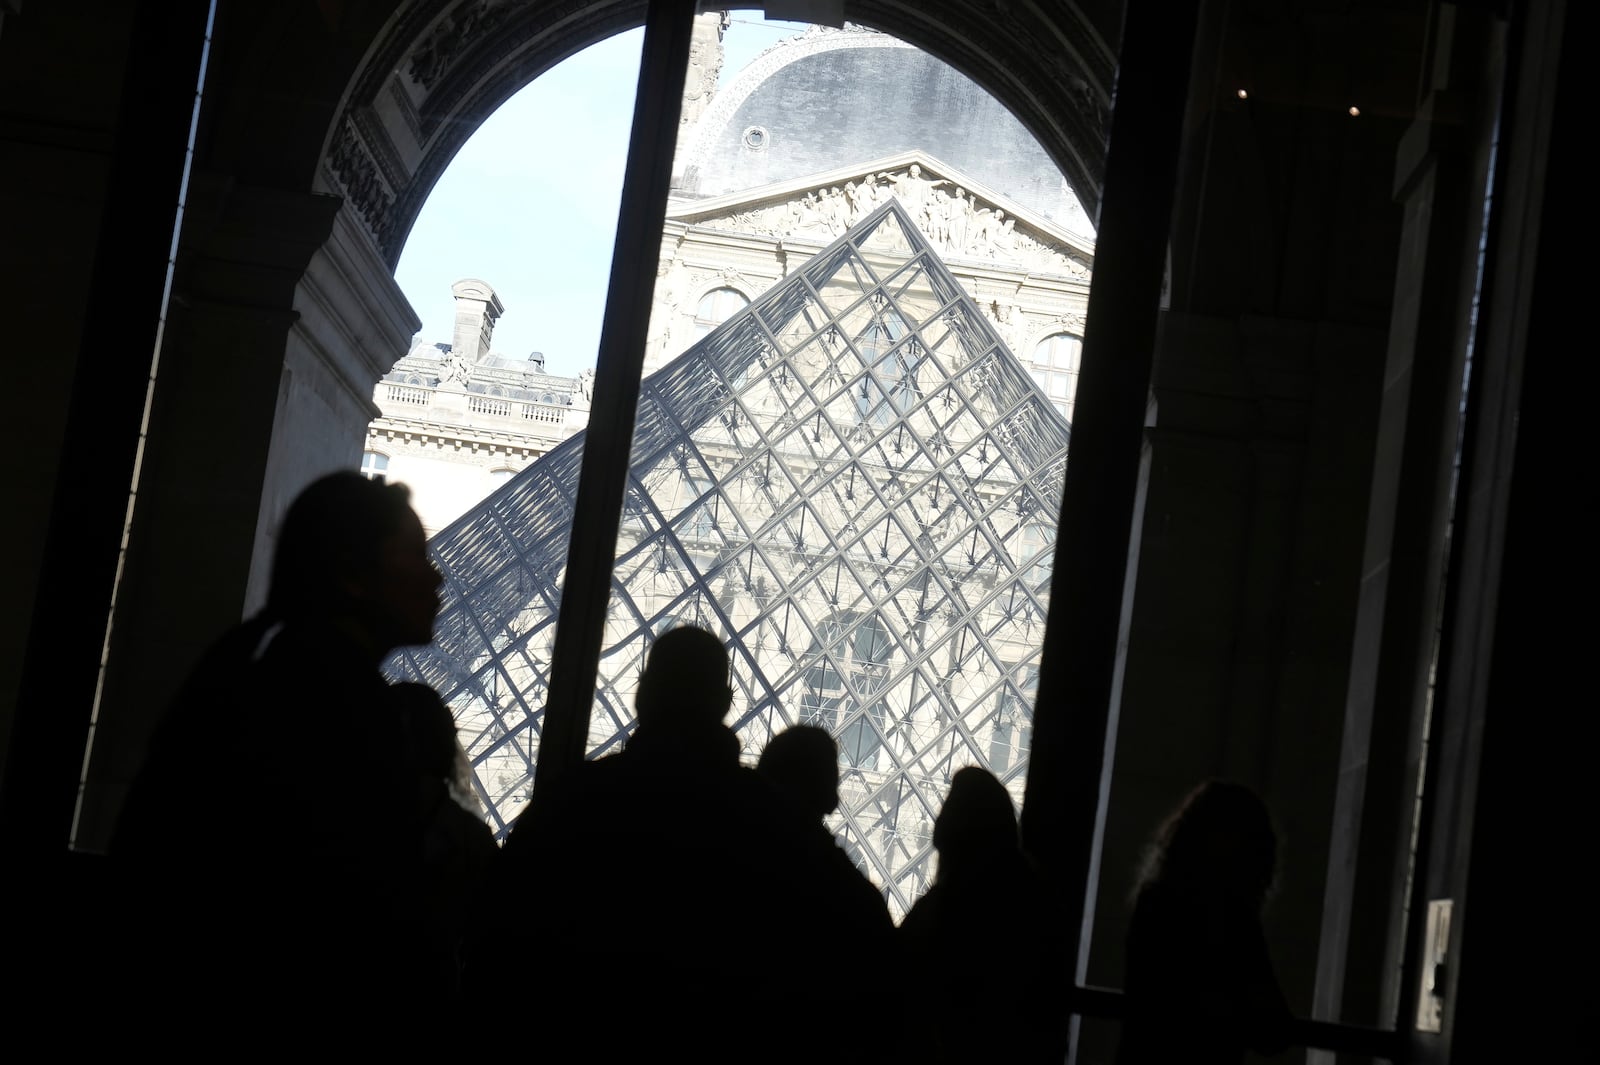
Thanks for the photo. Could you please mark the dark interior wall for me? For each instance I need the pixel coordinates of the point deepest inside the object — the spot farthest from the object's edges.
(148, 68)
(282, 71)
(1265, 395)
(60, 76)
(251, 225)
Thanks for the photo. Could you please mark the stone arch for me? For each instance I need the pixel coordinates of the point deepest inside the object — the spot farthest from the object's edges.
(438, 68)
(322, 131)
(719, 284)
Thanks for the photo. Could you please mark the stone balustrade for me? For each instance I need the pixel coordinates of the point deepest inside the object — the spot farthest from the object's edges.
(451, 406)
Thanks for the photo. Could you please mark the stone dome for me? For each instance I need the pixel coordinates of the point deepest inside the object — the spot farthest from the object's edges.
(827, 98)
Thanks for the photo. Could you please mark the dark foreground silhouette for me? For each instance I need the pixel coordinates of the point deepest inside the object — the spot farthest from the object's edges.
(291, 856)
(1199, 983)
(985, 934)
(677, 905)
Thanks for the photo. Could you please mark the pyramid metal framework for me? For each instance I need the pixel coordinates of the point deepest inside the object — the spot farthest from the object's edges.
(856, 485)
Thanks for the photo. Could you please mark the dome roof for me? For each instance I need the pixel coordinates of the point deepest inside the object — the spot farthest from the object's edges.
(827, 98)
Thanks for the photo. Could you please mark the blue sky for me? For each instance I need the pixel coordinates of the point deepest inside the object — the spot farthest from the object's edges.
(529, 204)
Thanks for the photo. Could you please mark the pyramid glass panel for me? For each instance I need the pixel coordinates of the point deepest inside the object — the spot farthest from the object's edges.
(851, 481)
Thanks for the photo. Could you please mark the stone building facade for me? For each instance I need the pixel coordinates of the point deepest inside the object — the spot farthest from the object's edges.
(458, 419)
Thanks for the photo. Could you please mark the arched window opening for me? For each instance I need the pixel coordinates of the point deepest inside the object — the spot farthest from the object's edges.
(375, 466)
(716, 307)
(1055, 367)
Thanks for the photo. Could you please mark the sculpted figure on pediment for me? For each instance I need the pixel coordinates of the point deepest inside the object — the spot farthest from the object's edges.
(938, 227)
(1001, 239)
(831, 207)
(872, 192)
(852, 193)
(978, 226)
(913, 189)
(810, 219)
(956, 223)
(960, 211)
(777, 220)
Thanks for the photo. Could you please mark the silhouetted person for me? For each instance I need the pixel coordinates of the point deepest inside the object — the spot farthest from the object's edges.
(846, 916)
(802, 763)
(651, 874)
(988, 933)
(277, 841)
(458, 849)
(1199, 983)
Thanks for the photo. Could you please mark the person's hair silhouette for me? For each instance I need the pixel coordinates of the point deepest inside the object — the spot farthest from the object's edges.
(802, 763)
(977, 823)
(684, 683)
(1219, 838)
(352, 549)
(1199, 981)
(839, 908)
(285, 892)
(983, 870)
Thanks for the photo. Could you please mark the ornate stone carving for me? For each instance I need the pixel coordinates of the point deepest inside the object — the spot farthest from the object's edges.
(406, 109)
(439, 48)
(705, 65)
(1070, 322)
(1073, 67)
(456, 369)
(356, 172)
(669, 295)
(955, 221)
(730, 275)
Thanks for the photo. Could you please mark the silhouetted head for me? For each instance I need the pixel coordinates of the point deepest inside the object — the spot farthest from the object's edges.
(685, 681)
(802, 762)
(352, 550)
(1220, 839)
(977, 820)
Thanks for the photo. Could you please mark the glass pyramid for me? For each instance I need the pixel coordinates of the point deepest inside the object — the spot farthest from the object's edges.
(852, 481)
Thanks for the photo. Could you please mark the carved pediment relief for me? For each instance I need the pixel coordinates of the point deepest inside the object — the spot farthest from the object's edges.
(960, 221)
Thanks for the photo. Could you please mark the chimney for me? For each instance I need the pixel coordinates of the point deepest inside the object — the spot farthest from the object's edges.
(477, 307)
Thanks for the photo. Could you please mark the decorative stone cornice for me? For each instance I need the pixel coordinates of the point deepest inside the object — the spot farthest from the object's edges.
(961, 218)
(354, 172)
(455, 31)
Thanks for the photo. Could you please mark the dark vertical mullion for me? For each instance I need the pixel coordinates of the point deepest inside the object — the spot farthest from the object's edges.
(580, 627)
(1065, 789)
